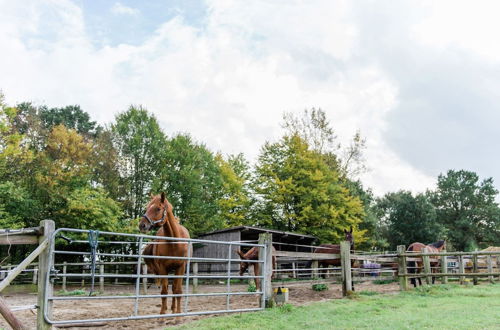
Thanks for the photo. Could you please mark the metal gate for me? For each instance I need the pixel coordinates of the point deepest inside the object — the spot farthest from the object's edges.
(137, 305)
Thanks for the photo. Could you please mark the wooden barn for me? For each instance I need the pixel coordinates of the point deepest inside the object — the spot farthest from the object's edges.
(281, 239)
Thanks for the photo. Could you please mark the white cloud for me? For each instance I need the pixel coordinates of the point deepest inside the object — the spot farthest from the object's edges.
(227, 84)
(120, 9)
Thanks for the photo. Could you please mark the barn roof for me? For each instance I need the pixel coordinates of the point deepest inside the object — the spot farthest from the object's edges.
(261, 230)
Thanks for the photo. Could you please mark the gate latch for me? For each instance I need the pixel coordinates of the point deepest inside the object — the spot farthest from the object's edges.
(54, 274)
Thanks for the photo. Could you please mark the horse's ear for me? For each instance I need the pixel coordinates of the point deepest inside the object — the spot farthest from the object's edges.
(345, 231)
(151, 195)
(351, 230)
(162, 196)
(241, 254)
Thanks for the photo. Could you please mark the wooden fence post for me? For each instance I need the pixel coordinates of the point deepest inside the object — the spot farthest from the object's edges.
(194, 266)
(427, 267)
(474, 268)
(13, 321)
(101, 278)
(315, 270)
(35, 275)
(45, 265)
(461, 269)
(145, 279)
(266, 285)
(345, 260)
(116, 272)
(444, 268)
(294, 272)
(403, 280)
(490, 268)
(65, 269)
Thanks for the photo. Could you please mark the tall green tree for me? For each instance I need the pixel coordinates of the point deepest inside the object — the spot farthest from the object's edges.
(140, 144)
(191, 177)
(297, 191)
(409, 219)
(467, 208)
(71, 116)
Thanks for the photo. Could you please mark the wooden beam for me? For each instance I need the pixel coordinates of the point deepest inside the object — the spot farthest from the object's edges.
(306, 255)
(18, 239)
(403, 281)
(44, 267)
(26, 262)
(9, 316)
(345, 252)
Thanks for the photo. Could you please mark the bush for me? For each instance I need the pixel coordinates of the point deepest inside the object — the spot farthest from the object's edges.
(320, 287)
(252, 287)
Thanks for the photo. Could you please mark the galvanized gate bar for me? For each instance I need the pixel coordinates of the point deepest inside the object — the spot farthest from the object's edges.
(138, 276)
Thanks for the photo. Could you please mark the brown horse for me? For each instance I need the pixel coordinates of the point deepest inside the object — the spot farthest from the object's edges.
(253, 254)
(159, 214)
(332, 249)
(416, 266)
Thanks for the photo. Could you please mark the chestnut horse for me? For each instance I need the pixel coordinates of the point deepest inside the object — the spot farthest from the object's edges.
(253, 254)
(333, 249)
(416, 266)
(159, 214)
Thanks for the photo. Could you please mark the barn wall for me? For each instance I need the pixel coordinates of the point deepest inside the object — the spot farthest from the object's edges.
(218, 251)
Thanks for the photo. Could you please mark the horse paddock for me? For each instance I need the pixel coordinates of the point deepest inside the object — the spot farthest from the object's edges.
(299, 295)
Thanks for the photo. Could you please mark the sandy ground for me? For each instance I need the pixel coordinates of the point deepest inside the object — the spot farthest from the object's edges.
(64, 310)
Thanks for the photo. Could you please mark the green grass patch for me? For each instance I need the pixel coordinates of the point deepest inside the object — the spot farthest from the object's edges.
(319, 287)
(252, 287)
(436, 307)
(384, 281)
(72, 293)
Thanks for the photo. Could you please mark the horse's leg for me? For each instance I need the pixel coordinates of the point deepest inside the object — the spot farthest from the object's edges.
(256, 272)
(177, 289)
(164, 290)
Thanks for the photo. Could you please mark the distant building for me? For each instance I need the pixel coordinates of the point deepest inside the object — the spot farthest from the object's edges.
(282, 241)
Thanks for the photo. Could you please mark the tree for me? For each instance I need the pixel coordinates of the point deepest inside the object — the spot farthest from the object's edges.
(192, 179)
(314, 128)
(409, 219)
(297, 191)
(71, 116)
(140, 144)
(235, 200)
(468, 210)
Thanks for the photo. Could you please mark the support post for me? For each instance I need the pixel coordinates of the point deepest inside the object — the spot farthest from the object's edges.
(45, 265)
(461, 269)
(490, 269)
(403, 280)
(474, 268)
(444, 268)
(345, 260)
(427, 267)
(65, 270)
(294, 272)
(267, 271)
(101, 278)
(315, 271)
(145, 279)
(116, 272)
(35, 275)
(10, 317)
(195, 278)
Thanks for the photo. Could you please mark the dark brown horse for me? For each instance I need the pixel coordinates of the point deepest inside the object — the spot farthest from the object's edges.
(159, 214)
(332, 249)
(416, 266)
(253, 254)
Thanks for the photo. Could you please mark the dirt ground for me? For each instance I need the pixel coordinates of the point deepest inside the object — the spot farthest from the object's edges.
(83, 309)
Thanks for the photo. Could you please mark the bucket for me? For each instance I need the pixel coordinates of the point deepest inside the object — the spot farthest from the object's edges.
(280, 295)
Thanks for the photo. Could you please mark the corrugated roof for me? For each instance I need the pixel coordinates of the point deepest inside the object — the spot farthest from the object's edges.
(257, 229)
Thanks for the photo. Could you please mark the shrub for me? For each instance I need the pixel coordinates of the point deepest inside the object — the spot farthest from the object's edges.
(319, 287)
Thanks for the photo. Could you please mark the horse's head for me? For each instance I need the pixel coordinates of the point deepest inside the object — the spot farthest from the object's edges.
(349, 237)
(440, 245)
(156, 213)
(243, 265)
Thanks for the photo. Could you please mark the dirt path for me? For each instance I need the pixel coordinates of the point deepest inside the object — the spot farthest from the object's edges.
(64, 310)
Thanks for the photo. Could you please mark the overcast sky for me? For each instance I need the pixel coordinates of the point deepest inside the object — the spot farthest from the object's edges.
(419, 79)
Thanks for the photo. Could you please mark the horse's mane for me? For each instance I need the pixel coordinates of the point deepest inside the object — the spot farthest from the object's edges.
(438, 244)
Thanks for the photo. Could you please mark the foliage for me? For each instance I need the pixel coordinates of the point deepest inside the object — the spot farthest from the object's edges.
(409, 219)
(252, 287)
(296, 191)
(191, 176)
(319, 287)
(468, 209)
(140, 144)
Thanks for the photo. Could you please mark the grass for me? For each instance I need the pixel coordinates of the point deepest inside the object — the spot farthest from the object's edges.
(436, 307)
